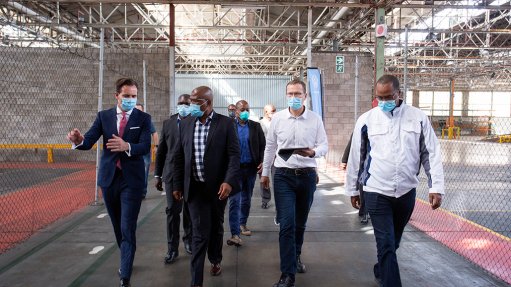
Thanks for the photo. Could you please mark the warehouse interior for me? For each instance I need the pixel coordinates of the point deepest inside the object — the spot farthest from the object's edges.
(59, 60)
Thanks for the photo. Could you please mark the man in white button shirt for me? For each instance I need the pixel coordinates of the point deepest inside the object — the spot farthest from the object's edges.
(389, 144)
(294, 182)
(269, 110)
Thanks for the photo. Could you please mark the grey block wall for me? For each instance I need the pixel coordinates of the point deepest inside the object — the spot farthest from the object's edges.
(339, 97)
(45, 92)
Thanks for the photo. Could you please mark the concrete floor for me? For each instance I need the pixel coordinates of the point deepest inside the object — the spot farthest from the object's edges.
(338, 251)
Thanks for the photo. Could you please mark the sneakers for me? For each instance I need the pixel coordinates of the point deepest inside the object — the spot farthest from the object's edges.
(245, 231)
(265, 205)
(300, 267)
(235, 240)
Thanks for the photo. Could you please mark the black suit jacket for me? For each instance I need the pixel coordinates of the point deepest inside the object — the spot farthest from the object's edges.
(257, 141)
(221, 157)
(164, 163)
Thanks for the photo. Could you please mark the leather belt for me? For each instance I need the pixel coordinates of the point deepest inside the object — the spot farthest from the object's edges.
(296, 171)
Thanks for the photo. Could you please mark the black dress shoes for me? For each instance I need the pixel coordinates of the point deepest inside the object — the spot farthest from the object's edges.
(125, 283)
(188, 247)
(300, 267)
(170, 257)
(365, 218)
(285, 281)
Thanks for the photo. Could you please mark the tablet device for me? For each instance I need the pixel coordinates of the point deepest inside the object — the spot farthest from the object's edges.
(285, 153)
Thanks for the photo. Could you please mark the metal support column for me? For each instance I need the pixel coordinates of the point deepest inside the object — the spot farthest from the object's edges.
(451, 111)
(172, 59)
(379, 56)
(309, 38)
(144, 85)
(100, 106)
(405, 72)
(356, 88)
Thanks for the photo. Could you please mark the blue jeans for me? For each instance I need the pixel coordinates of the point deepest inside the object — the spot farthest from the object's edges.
(147, 163)
(240, 201)
(389, 216)
(294, 194)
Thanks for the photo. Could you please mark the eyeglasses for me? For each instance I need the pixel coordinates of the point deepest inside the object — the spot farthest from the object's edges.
(198, 101)
(297, 95)
(387, 97)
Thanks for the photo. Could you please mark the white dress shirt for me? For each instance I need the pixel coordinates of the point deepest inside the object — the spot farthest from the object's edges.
(391, 147)
(265, 125)
(288, 131)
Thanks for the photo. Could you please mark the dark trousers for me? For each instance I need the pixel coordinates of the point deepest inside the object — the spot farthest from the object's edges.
(363, 209)
(173, 211)
(294, 194)
(389, 216)
(207, 215)
(240, 201)
(147, 166)
(123, 205)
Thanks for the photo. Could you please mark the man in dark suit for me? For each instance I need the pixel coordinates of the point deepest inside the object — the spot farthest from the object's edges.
(121, 176)
(252, 143)
(206, 169)
(164, 168)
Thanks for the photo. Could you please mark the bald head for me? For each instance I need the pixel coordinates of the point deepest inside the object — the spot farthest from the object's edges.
(202, 93)
(269, 110)
(184, 99)
(241, 104)
(242, 110)
(203, 97)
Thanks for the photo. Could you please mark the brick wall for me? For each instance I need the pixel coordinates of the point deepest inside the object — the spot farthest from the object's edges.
(44, 92)
(339, 97)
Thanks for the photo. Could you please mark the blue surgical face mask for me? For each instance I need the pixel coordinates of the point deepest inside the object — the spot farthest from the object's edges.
(387, 106)
(294, 103)
(195, 110)
(183, 110)
(232, 114)
(127, 104)
(244, 116)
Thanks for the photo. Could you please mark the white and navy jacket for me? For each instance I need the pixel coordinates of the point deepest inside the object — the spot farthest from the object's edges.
(388, 149)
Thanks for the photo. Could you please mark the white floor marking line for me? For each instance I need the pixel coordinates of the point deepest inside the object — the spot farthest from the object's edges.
(96, 249)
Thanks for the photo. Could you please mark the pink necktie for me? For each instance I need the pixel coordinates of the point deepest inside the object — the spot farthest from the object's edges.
(122, 125)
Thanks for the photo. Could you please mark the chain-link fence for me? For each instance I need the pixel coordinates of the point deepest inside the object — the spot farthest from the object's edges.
(44, 93)
(475, 218)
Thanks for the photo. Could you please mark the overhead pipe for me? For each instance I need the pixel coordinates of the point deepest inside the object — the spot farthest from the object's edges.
(43, 19)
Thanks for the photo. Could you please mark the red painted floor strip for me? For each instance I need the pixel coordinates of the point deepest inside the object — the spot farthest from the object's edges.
(27, 210)
(483, 247)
